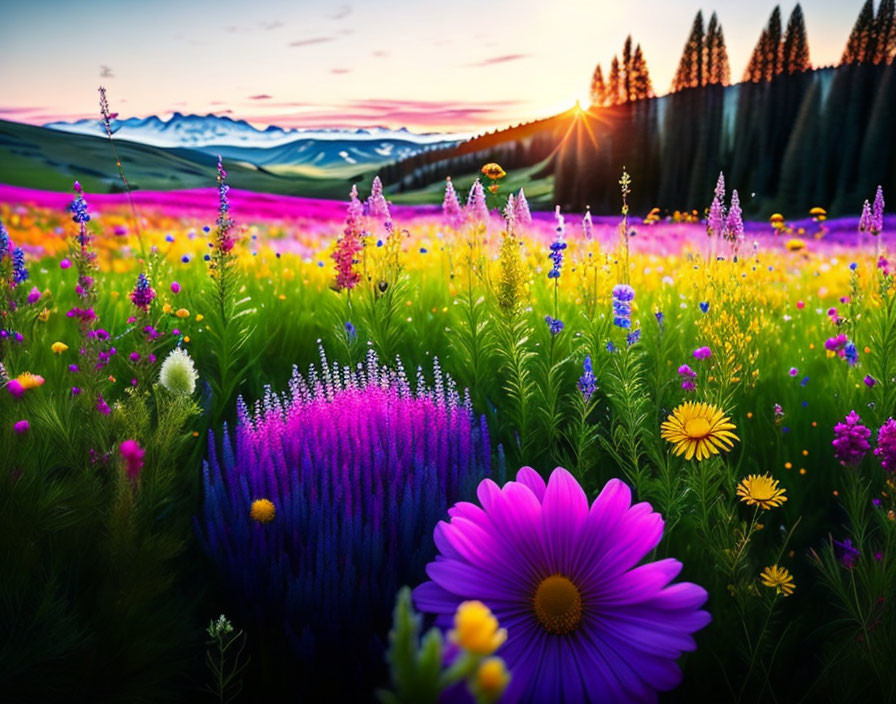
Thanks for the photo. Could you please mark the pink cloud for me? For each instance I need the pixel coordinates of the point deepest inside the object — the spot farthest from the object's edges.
(503, 59)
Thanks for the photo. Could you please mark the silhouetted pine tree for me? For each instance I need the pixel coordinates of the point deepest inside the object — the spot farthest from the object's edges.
(860, 45)
(885, 33)
(641, 86)
(773, 56)
(796, 45)
(614, 83)
(755, 70)
(598, 88)
(627, 70)
(717, 69)
(691, 67)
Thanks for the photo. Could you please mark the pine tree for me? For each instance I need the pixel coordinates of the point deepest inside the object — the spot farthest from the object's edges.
(627, 70)
(598, 88)
(614, 85)
(641, 84)
(885, 33)
(860, 45)
(717, 68)
(796, 45)
(691, 67)
(754, 71)
(772, 57)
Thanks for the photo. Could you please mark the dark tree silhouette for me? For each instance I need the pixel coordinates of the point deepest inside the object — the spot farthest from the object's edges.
(627, 70)
(614, 83)
(796, 45)
(641, 86)
(690, 73)
(885, 33)
(598, 88)
(861, 45)
(717, 68)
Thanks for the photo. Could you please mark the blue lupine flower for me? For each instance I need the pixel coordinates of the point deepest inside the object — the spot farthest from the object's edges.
(660, 319)
(4, 241)
(350, 332)
(704, 306)
(587, 382)
(78, 208)
(19, 272)
(610, 346)
(623, 295)
(554, 325)
(853, 266)
(633, 337)
(851, 353)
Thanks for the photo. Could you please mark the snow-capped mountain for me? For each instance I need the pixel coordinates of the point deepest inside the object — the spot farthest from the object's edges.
(196, 131)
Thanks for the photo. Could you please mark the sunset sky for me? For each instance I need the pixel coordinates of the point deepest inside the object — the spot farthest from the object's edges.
(461, 66)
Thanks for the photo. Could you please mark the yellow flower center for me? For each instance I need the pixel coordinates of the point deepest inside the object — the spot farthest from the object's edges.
(558, 605)
(761, 492)
(697, 428)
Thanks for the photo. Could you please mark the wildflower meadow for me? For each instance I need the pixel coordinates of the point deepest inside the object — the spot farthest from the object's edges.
(437, 430)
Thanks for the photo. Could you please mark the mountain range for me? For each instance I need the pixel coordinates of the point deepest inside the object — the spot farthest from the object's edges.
(271, 146)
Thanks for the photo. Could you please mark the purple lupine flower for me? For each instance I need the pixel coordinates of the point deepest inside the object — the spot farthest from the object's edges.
(623, 295)
(143, 294)
(377, 205)
(477, 209)
(564, 578)
(633, 337)
(224, 240)
(452, 211)
(886, 445)
(19, 271)
(101, 405)
(735, 221)
(702, 353)
(848, 554)
(866, 219)
(870, 381)
(353, 469)
(21, 426)
(851, 353)
(851, 440)
(4, 241)
(877, 212)
(521, 214)
(587, 382)
(558, 245)
(588, 224)
(510, 212)
(33, 295)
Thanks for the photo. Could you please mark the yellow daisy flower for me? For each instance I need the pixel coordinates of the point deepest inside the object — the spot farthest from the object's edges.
(779, 579)
(698, 430)
(761, 490)
(493, 171)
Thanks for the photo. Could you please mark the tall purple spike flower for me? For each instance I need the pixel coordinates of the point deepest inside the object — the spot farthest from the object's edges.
(522, 215)
(866, 219)
(588, 224)
(476, 205)
(735, 221)
(585, 621)
(886, 445)
(451, 209)
(224, 239)
(377, 205)
(19, 270)
(4, 241)
(877, 212)
(851, 440)
(558, 245)
(324, 503)
(623, 295)
(587, 382)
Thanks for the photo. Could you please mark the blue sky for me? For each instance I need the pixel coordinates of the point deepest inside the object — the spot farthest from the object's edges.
(462, 66)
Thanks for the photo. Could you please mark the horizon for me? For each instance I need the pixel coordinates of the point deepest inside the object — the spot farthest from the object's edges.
(331, 55)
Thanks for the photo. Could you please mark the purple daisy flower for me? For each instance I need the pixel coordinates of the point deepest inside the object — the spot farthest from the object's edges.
(583, 621)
